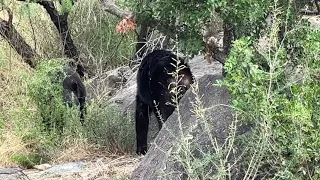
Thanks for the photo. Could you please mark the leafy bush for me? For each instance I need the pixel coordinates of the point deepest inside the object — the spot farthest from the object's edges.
(177, 19)
(281, 103)
(247, 17)
(185, 21)
(108, 127)
(31, 100)
(27, 161)
(45, 89)
(275, 90)
(104, 126)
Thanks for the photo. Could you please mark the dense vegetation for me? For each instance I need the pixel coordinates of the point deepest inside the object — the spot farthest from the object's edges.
(275, 89)
(31, 98)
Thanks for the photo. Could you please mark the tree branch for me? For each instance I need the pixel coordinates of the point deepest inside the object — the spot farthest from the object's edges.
(317, 5)
(308, 12)
(16, 41)
(10, 14)
(61, 23)
(52, 11)
(109, 6)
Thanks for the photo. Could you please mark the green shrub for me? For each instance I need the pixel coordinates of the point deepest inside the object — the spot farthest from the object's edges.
(282, 104)
(275, 90)
(45, 89)
(66, 6)
(105, 125)
(28, 161)
(108, 127)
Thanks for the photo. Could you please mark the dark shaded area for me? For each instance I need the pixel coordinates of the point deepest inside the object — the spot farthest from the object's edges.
(154, 85)
(310, 12)
(228, 36)
(142, 39)
(317, 5)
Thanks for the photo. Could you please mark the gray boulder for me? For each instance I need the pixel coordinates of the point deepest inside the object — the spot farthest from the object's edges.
(107, 84)
(61, 168)
(12, 174)
(159, 162)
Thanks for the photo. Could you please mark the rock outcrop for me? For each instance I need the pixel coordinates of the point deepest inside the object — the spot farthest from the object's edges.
(189, 123)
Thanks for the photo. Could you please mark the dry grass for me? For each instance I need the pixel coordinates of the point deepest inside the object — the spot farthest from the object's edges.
(12, 95)
(14, 101)
(115, 168)
(14, 125)
(77, 150)
(10, 144)
(12, 86)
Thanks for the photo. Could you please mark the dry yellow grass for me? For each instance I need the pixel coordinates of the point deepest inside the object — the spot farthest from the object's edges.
(12, 84)
(10, 145)
(35, 26)
(12, 95)
(13, 90)
(75, 150)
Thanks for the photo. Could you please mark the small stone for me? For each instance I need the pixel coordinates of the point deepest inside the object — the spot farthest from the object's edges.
(42, 166)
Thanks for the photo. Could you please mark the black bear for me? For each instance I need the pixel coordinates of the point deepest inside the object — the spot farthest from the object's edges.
(155, 80)
(73, 84)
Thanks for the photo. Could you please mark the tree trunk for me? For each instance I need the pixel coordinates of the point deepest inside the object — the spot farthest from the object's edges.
(228, 36)
(142, 40)
(61, 23)
(16, 41)
(317, 5)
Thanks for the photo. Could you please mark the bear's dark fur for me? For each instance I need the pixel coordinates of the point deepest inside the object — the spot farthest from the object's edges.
(154, 85)
(73, 84)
